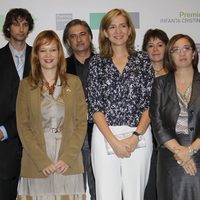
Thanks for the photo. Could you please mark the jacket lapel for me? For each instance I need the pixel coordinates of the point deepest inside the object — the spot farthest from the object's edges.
(195, 88)
(67, 93)
(67, 98)
(172, 89)
(35, 106)
(27, 64)
(10, 62)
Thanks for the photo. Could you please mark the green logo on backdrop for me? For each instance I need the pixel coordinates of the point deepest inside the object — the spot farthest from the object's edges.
(1, 22)
(95, 20)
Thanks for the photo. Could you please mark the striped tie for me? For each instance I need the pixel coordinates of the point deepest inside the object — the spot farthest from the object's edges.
(20, 66)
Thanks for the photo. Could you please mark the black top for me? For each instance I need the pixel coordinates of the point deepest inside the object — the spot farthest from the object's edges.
(79, 69)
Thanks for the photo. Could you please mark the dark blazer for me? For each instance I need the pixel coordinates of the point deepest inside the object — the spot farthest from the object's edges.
(10, 149)
(164, 108)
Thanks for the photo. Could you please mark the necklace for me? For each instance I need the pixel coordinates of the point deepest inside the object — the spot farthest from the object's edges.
(50, 88)
(157, 72)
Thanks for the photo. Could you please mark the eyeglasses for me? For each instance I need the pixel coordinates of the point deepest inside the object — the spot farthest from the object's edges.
(177, 50)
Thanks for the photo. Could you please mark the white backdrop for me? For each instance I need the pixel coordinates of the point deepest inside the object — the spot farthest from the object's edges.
(173, 16)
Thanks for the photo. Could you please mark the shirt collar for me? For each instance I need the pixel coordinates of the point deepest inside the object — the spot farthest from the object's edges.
(15, 52)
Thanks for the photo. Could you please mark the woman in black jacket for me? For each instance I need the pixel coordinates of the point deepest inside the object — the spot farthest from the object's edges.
(175, 115)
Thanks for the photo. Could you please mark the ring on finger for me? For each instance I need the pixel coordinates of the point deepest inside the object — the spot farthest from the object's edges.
(179, 162)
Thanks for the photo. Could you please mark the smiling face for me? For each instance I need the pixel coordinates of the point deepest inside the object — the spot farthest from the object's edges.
(156, 50)
(182, 53)
(48, 56)
(79, 38)
(118, 31)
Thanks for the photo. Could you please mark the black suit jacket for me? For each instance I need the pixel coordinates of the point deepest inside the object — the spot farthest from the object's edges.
(164, 108)
(10, 149)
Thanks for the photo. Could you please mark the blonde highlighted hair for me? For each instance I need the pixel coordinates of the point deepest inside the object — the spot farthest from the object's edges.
(104, 44)
(36, 76)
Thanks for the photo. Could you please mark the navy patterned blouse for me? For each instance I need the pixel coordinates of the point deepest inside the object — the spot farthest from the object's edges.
(122, 98)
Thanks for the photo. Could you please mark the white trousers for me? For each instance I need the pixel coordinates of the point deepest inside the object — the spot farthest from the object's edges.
(116, 177)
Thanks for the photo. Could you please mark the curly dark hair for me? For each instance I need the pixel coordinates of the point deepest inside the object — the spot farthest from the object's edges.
(13, 15)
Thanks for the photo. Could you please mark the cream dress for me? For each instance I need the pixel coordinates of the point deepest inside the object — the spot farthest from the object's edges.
(55, 186)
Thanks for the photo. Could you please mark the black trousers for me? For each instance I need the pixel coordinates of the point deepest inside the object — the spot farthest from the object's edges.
(88, 172)
(151, 189)
(8, 189)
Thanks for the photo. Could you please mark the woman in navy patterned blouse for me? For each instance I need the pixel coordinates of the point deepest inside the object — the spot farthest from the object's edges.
(119, 88)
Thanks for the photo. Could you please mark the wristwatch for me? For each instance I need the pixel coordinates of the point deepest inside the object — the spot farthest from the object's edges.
(139, 136)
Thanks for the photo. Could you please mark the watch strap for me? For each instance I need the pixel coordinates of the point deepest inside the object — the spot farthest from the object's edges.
(136, 133)
(139, 136)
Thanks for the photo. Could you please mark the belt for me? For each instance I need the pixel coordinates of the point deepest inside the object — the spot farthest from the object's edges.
(54, 130)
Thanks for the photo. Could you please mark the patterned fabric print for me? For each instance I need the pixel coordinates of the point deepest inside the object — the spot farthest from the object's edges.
(182, 122)
(121, 97)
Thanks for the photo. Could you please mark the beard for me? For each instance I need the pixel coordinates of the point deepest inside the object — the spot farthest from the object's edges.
(19, 38)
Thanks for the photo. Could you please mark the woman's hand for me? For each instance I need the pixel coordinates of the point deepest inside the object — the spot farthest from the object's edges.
(61, 167)
(184, 159)
(132, 141)
(49, 169)
(182, 155)
(121, 148)
(190, 167)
